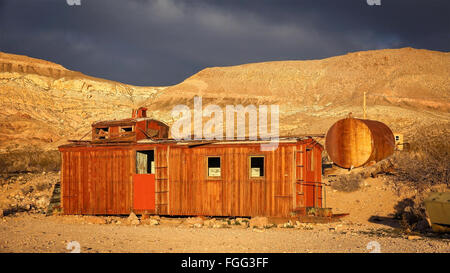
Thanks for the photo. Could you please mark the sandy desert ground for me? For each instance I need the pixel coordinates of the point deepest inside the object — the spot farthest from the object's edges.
(36, 232)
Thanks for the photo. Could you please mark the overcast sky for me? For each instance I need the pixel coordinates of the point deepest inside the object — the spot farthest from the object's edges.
(162, 42)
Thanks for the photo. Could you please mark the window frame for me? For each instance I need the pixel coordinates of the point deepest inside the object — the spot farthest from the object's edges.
(124, 131)
(99, 129)
(207, 167)
(148, 167)
(250, 167)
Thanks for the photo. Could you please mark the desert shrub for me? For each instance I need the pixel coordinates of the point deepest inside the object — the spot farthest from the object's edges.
(424, 168)
(347, 183)
(27, 189)
(411, 214)
(42, 186)
(29, 159)
(426, 163)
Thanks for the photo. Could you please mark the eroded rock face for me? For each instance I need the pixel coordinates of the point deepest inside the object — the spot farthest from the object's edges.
(27, 193)
(406, 73)
(46, 104)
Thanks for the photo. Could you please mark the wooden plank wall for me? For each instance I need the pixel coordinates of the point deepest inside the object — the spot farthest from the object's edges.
(97, 181)
(234, 193)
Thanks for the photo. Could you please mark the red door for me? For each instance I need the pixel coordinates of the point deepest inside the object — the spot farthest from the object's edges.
(144, 191)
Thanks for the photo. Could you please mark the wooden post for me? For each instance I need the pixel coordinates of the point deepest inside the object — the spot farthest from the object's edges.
(364, 106)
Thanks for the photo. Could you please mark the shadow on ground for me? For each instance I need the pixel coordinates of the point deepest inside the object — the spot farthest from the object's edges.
(386, 221)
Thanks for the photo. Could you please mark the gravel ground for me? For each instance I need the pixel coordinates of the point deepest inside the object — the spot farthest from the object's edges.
(25, 232)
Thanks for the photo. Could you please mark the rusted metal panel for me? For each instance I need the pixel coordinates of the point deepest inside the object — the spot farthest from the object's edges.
(354, 142)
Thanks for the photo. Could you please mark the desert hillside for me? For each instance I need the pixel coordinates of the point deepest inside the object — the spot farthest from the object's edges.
(405, 88)
(45, 104)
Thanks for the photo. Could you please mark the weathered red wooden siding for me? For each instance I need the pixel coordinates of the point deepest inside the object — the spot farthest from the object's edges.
(98, 179)
(235, 193)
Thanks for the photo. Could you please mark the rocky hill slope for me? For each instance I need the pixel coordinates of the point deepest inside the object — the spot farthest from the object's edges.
(45, 104)
(405, 88)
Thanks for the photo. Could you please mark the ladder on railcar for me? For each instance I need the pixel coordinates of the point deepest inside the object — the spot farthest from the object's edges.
(162, 180)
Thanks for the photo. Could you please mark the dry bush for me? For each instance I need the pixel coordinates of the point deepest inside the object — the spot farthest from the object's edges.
(347, 183)
(411, 214)
(42, 186)
(424, 168)
(29, 159)
(426, 163)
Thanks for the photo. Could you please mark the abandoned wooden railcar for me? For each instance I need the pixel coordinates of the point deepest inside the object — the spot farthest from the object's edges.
(166, 177)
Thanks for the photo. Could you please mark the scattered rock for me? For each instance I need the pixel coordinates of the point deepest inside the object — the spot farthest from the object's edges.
(94, 220)
(259, 222)
(27, 189)
(209, 222)
(242, 220)
(413, 237)
(288, 225)
(42, 202)
(220, 225)
(193, 220)
(110, 220)
(245, 224)
(150, 222)
(133, 219)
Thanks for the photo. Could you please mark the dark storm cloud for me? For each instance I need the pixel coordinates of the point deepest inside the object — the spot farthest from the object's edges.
(162, 42)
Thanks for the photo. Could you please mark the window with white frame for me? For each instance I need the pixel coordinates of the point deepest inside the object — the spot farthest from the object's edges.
(214, 166)
(256, 166)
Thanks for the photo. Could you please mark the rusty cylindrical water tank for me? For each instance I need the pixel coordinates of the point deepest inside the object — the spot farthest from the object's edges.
(352, 142)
